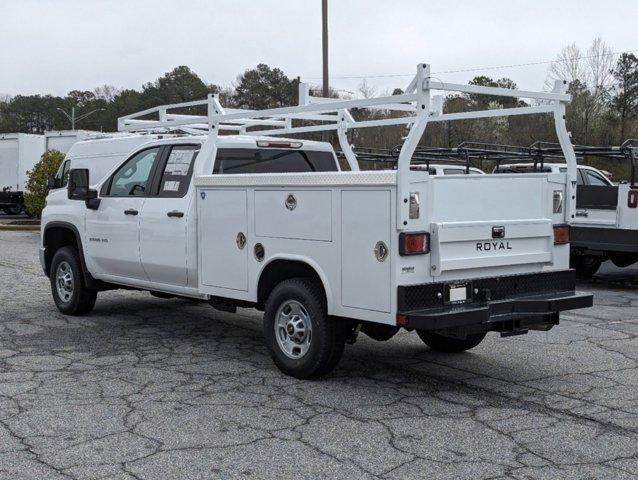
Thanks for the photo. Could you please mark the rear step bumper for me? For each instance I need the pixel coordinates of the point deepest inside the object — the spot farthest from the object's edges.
(489, 312)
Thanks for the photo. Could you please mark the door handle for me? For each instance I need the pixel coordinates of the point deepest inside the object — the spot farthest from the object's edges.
(175, 213)
(131, 211)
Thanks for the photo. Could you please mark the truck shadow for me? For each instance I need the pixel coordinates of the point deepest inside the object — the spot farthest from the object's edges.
(610, 276)
(178, 327)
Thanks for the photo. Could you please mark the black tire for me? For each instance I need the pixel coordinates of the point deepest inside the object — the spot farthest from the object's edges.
(328, 335)
(585, 267)
(444, 344)
(623, 260)
(15, 210)
(79, 300)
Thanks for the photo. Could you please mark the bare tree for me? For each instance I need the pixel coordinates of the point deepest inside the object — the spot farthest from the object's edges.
(590, 79)
(591, 68)
(568, 66)
(600, 63)
(106, 92)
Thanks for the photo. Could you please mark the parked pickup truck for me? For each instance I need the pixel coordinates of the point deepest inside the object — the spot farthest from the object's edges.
(606, 223)
(253, 220)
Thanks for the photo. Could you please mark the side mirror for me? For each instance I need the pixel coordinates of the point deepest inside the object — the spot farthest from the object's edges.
(51, 182)
(78, 187)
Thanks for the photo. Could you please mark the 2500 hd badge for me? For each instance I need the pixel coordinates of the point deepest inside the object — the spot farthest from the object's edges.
(492, 246)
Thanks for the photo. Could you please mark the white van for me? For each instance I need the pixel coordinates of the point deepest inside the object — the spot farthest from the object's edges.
(99, 155)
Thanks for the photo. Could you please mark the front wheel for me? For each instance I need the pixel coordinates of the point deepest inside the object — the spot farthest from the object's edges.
(67, 283)
(444, 344)
(304, 342)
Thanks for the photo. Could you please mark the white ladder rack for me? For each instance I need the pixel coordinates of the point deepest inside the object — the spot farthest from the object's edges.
(334, 115)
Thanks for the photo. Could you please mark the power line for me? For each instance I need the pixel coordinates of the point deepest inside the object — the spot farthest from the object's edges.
(478, 69)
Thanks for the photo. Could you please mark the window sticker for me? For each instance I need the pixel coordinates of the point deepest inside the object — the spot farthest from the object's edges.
(171, 186)
(179, 162)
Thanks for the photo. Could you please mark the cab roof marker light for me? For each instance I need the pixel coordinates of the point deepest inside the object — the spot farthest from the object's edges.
(278, 144)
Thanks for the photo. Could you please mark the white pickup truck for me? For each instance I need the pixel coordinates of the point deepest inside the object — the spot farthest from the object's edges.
(606, 223)
(254, 220)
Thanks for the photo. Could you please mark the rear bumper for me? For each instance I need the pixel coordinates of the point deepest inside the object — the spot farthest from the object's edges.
(514, 300)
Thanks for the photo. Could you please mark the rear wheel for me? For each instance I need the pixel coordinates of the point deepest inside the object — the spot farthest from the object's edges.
(623, 260)
(444, 344)
(303, 341)
(67, 283)
(585, 266)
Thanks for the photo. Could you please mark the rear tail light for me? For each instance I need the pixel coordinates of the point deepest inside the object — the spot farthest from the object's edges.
(561, 234)
(417, 243)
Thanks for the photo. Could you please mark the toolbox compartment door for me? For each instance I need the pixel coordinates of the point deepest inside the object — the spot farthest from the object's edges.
(294, 214)
(366, 221)
(222, 216)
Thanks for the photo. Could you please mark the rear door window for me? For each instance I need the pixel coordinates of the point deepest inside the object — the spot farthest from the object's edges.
(453, 171)
(177, 170)
(255, 160)
(595, 178)
(579, 176)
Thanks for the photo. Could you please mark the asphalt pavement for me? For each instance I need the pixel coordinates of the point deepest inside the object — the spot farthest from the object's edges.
(144, 388)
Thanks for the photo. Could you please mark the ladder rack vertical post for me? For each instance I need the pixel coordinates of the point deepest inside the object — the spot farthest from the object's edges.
(565, 142)
(407, 150)
(346, 148)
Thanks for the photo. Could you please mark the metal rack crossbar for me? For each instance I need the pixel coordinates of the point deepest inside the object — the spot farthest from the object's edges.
(416, 107)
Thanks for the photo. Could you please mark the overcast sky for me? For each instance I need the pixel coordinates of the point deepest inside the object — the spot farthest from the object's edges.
(54, 46)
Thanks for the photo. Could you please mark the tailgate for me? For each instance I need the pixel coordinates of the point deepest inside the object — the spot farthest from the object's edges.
(490, 221)
(462, 246)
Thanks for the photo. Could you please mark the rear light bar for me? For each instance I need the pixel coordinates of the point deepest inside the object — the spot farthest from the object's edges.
(278, 144)
(415, 243)
(561, 234)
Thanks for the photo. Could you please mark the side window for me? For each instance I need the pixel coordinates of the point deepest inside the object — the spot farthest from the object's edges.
(453, 171)
(580, 180)
(595, 178)
(66, 168)
(252, 160)
(133, 178)
(580, 177)
(62, 175)
(177, 170)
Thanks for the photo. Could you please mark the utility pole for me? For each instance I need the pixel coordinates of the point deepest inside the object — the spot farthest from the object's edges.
(72, 118)
(324, 45)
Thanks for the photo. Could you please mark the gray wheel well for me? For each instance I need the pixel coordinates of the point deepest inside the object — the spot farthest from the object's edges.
(280, 270)
(56, 238)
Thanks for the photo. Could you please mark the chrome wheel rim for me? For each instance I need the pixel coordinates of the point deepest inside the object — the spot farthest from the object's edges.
(64, 281)
(293, 329)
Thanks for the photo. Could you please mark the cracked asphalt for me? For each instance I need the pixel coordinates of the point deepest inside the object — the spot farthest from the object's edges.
(144, 388)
